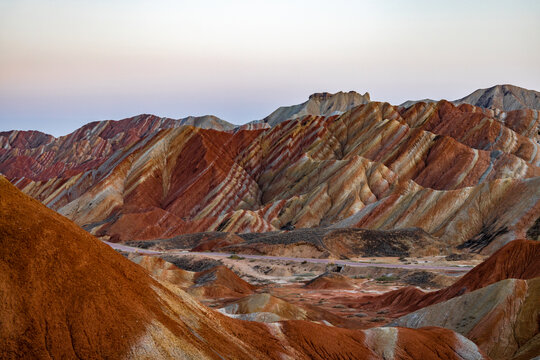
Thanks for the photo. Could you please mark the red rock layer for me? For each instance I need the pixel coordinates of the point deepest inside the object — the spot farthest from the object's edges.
(67, 295)
(220, 281)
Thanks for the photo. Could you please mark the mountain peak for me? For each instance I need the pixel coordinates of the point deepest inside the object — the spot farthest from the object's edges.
(319, 104)
(322, 96)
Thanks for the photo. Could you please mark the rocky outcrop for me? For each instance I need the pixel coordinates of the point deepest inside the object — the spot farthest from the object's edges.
(319, 104)
(499, 98)
(67, 295)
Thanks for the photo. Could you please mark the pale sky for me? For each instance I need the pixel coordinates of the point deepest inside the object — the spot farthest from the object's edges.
(66, 63)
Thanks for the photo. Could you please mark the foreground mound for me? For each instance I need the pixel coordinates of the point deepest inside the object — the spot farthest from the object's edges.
(66, 295)
(329, 281)
(217, 282)
(501, 318)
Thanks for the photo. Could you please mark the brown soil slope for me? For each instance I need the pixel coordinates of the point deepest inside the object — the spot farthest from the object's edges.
(67, 295)
(220, 281)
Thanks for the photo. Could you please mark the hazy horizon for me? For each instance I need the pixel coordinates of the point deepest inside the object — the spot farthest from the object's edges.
(64, 64)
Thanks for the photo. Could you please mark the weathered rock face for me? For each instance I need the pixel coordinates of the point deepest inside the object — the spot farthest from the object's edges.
(458, 173)
(502, 318)
(67, 295)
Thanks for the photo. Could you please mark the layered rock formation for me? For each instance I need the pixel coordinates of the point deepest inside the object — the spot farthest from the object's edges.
(496, 304)
(67, 295)
(462, 174)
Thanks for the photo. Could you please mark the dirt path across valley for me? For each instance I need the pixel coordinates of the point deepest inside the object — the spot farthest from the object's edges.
(130, 249)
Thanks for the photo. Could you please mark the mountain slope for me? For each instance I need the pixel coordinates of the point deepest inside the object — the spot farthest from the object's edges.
(496, 304)
(67, 295)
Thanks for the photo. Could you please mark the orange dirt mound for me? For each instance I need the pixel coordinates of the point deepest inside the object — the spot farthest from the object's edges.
(220, 281)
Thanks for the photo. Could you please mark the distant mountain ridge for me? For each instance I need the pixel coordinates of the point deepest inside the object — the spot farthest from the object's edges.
(503, 97)
(366, 168)
(149, 177)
